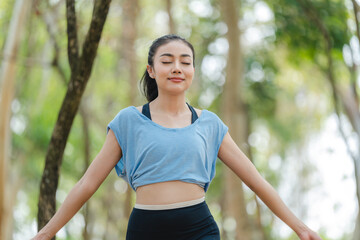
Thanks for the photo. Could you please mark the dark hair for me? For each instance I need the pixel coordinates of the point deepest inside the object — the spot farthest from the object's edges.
(148, 84)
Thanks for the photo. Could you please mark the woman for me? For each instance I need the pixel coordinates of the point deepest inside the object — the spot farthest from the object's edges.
(167, 151)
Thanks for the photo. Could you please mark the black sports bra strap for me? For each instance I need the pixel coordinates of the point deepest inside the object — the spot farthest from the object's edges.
(146, 110)
(194, 115)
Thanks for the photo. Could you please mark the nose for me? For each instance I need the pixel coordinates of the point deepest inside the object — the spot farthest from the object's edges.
(176, 68)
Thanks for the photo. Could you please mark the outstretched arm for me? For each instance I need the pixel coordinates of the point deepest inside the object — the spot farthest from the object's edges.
(236, 160)
(98, 170)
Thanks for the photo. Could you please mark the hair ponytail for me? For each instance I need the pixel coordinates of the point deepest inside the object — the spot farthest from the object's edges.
(149, 87)
(148, 84)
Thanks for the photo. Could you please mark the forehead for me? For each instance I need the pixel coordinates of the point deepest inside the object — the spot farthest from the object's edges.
(175, 48)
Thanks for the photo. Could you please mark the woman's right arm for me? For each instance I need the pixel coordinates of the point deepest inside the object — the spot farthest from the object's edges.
(98, 170)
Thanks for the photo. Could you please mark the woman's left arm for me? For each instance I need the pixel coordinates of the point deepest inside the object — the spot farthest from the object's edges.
(236, 160)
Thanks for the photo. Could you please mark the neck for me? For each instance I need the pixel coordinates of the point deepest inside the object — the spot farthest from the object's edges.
(169, 104)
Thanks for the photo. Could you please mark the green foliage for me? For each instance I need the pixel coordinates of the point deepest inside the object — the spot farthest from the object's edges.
(284, 92)
(259, 80)
(297, 29)
(5, 16)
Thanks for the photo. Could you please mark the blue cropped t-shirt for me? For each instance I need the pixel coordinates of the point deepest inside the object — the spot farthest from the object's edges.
(152, 153)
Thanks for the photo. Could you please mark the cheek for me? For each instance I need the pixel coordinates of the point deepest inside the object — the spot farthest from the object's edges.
(190, 72)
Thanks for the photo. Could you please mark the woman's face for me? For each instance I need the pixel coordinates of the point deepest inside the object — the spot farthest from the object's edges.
(173, 68)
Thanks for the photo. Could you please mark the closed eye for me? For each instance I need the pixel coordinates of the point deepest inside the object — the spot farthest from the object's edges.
(186, 63)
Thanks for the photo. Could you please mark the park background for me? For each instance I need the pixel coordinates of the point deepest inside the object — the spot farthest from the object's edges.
(282, 74)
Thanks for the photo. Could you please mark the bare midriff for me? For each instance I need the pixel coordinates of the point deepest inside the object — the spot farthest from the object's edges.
(168, 192)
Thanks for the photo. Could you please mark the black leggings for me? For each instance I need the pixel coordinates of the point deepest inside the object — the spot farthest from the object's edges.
(187, 223)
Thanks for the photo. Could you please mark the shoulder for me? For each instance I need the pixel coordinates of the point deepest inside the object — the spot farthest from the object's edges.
(139, 108)
(213, 119)
(125, 113)
(210, 114)
(127, 110)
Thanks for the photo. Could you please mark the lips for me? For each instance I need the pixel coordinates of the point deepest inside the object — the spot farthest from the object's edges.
(176, 79)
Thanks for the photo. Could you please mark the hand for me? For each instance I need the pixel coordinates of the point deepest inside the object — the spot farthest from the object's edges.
(308, 234)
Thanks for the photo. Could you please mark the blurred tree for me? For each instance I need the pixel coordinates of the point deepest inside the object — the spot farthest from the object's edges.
(333, 37)
(316, 33)
(128, 53)
(236, 117)
(129, 68)
(278, 103)
(172, 27)
(50, 19)
(7, 82)
(81, 66)
(83, 111)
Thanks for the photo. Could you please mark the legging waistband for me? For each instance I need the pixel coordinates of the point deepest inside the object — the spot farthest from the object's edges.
(169, 206)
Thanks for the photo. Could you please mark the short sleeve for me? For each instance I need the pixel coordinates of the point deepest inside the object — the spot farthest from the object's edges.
(222, 129)
(215, 130)
(117, 126)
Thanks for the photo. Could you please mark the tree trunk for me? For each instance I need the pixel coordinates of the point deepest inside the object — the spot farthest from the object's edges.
(130, 10)
(259, 232)
(129, 35)
(7, 82)
(235, 116)
(80, 72)
(172, 29)
(86, 209)
(356, 234)
(52, 28)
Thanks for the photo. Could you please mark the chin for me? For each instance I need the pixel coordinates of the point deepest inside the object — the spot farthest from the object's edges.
(174, 90)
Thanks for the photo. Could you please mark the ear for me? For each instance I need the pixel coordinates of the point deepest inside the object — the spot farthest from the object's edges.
(150, 71)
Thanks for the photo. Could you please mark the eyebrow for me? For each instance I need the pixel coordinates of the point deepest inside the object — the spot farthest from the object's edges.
(170, 55)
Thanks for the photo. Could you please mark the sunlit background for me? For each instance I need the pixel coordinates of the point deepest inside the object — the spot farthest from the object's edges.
(294, 136)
